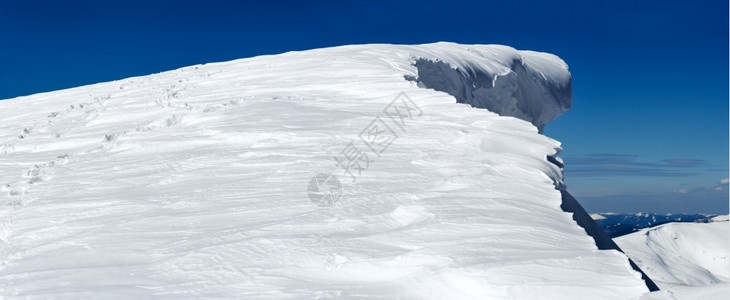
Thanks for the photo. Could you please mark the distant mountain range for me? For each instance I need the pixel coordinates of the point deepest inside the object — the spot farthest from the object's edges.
(616, 225)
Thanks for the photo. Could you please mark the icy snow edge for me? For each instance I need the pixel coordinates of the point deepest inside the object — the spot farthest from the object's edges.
(532, 86)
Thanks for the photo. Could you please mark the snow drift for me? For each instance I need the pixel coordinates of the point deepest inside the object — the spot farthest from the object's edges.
(193, 183)
(532, 86)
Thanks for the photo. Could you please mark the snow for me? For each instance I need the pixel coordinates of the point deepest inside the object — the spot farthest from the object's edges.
(720, 218)
(532, 86)
(597, 217)
(193, 183)
(691, 260)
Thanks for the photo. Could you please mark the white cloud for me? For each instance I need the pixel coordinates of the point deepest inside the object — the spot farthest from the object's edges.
(721, 187)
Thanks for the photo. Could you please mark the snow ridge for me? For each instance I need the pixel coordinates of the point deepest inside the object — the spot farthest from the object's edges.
(192, 184)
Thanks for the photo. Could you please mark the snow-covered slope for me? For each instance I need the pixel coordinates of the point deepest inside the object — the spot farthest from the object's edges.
(196, 183)
(681, 256)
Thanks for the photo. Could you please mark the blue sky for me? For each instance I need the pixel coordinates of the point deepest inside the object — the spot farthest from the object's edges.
(648, 130)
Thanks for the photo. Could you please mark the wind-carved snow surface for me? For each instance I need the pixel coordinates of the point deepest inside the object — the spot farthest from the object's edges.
(193, 184)
(532, 86)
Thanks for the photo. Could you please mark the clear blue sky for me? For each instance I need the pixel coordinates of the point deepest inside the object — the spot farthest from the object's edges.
(648, 129)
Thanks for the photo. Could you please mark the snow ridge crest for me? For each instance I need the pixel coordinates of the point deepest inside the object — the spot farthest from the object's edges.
(532, 86)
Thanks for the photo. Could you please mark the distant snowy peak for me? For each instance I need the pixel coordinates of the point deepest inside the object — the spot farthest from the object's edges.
(597, 217)
(532, 86)
(721, 218)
